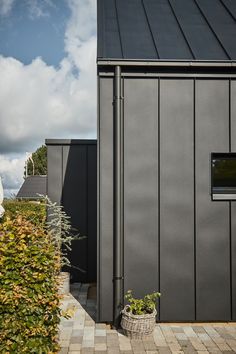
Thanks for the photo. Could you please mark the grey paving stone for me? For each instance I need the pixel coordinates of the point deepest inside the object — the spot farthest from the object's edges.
(149, 345)
(100, 326)
(137, 345)
(75, 340)
(164, 350)
(68, 324)
(178, 329)
(100, 339)
(63, 351)
(187, 346)
(77, 333)
(198, 329)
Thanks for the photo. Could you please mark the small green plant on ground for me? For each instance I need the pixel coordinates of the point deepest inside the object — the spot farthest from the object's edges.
(146, 305)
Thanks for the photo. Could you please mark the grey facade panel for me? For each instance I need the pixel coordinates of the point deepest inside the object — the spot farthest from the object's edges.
(72, 183)
(141, 186)
(233, 205)
(176, 200)
(54, 167)
(74, 201)
(92, 210)
(191, 247)
(212, 218)
(105, 286)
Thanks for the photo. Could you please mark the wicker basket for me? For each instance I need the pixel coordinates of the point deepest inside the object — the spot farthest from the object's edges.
(137, 326)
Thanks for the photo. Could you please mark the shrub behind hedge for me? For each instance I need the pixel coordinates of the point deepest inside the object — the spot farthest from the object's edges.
(29, 302)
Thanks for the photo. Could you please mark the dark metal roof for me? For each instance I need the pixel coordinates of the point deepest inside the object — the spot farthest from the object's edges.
(32, 186)
(167, 29)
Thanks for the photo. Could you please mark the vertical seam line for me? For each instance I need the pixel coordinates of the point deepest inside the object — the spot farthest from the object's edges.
(230, 214)
(194, 196)
(87, 211)
(159, 196)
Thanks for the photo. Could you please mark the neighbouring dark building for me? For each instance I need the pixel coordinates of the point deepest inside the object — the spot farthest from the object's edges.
(32, 187)
(72, 183)
(166, 156)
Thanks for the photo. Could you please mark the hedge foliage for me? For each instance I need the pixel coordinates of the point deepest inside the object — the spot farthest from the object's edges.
(35, 212)
(29, 301)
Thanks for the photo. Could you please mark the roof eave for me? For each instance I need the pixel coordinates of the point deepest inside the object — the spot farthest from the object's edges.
(165, 63)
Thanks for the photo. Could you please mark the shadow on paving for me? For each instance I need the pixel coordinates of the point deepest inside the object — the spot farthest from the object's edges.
(86, 294)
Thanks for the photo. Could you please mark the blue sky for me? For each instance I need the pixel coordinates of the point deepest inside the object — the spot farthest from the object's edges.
(48, 78)
(27, 33)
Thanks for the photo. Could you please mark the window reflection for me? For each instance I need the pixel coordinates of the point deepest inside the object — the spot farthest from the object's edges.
(224, 173)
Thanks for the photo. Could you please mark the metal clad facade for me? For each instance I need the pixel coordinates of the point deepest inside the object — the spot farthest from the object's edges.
(72, 182)
(54, 168)
(233, 205)
(92, 209)
(105, 293)
(74, 201)
(173, 231)
(176, 200)
(212, 218)
(141, 185)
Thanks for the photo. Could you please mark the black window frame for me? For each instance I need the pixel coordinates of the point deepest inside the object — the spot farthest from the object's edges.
(226, 196)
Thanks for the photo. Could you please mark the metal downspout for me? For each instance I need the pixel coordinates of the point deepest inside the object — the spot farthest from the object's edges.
(118, 277)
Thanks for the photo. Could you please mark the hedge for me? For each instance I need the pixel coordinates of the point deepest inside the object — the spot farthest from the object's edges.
(33, 211)
(29, 301)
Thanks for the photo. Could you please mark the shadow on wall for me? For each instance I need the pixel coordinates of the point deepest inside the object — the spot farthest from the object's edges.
(79, 198)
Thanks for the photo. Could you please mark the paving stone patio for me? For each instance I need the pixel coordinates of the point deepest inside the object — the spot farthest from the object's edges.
(81, 334)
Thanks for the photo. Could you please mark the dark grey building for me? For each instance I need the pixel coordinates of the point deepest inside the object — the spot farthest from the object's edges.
(167, 172)
(72, 183)
(32, 187)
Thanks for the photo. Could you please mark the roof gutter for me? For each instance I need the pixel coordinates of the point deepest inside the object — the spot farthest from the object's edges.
(166, 63)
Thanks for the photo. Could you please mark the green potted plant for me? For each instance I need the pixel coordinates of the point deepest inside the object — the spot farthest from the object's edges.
(139, 315)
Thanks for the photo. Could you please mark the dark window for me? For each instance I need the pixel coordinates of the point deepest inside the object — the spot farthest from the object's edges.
(223, 176)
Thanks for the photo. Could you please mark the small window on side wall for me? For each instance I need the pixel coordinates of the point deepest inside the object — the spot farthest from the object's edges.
(223, 176)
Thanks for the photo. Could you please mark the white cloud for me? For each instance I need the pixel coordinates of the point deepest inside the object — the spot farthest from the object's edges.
(11, 171)
(38, 101)
(39, 8)
(6, 6)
